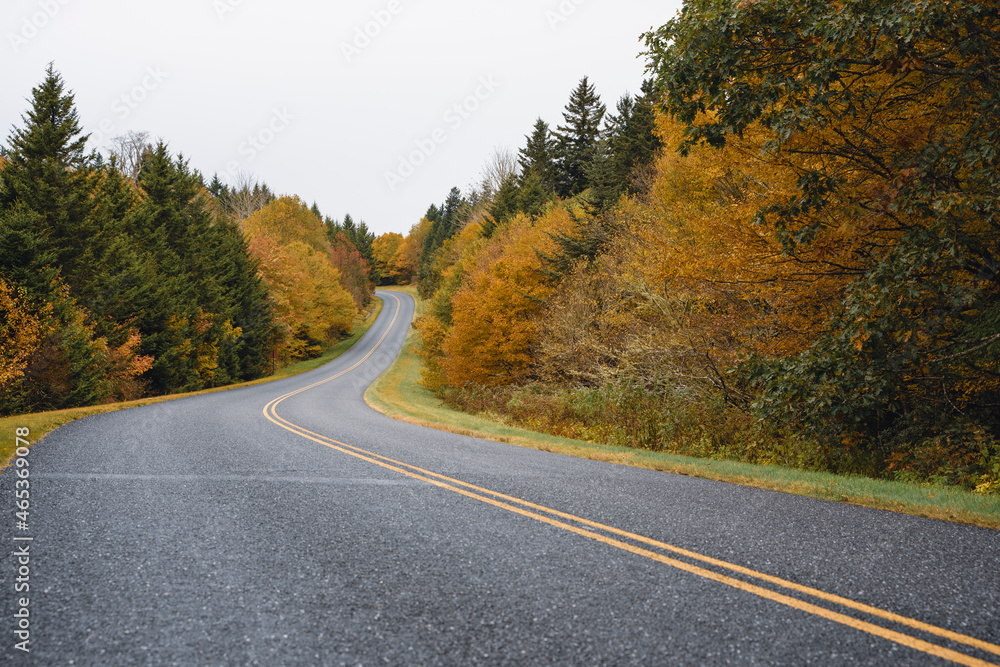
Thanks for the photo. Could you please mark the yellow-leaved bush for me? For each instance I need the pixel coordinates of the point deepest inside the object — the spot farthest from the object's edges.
(483, 325)
(293, 256)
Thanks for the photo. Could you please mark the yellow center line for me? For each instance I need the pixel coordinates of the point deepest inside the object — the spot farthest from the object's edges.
(363, 359)
(510, 503)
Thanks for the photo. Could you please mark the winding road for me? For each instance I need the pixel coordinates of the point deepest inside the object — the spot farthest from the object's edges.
(290, 524)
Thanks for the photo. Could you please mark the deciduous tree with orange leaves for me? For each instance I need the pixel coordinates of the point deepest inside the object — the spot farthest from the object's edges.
(494, 325)
(294, 258)
(886, 115)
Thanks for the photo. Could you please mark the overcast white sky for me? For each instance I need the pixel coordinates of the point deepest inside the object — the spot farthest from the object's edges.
(378, 125)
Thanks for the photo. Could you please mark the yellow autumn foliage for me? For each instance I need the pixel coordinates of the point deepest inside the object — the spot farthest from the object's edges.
(294, 260)
(494, 326)
(21, 332)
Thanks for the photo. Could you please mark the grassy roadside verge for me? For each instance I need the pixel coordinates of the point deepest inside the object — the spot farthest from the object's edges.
(41, 424)
(398, 394)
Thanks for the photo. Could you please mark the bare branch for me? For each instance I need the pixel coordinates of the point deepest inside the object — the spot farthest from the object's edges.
(501, 166)
(129, 151)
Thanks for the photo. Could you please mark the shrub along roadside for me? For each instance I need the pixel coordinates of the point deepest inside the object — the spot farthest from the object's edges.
(42, 423)
(659, 419)
(399, 394)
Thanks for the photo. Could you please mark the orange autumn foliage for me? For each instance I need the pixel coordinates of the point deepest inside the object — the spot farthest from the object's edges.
(21, 332)
(50, 350)
(695, 260)
(495, 313)
(405, 262)
(384, 249)
(294, 259)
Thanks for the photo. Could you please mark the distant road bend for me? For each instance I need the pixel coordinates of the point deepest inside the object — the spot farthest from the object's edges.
(290, 524)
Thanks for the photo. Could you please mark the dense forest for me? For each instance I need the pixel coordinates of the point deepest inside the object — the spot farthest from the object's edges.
(128, 276)
(784, 250)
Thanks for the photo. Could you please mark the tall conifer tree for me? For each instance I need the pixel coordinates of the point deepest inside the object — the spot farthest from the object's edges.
(628, 144)
(538, 156)
(576, 141)
(47, 173)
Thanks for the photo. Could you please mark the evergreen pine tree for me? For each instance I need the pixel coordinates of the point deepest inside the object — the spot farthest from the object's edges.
(109, 264)
(105, 260)
(639, 142)
(450, 217)
(506, 205)
(586, 242)
(167, 306)
(47, 172)
(444, 224)
(606, 184)
(576, 140)
(533, 195)
(187, 322)
(538, 156)
(250, 309)
(217, 187)
(332, 227)
(47, 237)
(433, 216)
(629, 143)
(360, 237)
(26, 258)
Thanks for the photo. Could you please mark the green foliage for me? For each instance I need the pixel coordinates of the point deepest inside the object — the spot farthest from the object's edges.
(143, 285)
(538, 157)
(887, 114)
(588, 240)
(627, 148)
(204, 280)
(355, 236)
(26, 257)
(576, 141)
(47, 172)
(533, 195)
(445, 222)
(506, 204)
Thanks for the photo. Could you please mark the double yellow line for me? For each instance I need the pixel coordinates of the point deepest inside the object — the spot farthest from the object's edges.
(780, 591)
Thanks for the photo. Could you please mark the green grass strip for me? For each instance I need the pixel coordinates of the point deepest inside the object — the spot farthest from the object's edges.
(399, 394)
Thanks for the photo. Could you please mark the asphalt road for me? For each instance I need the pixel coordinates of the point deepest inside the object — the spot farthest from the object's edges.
(290, 524)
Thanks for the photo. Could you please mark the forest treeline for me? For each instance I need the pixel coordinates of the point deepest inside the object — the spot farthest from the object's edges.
(784, 250)
(130, 276)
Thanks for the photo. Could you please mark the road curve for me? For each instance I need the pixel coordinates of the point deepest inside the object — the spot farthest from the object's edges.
(290, 524)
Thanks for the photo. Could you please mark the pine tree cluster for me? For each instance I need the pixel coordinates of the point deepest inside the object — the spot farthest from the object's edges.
(593, 158)
(111, 289)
